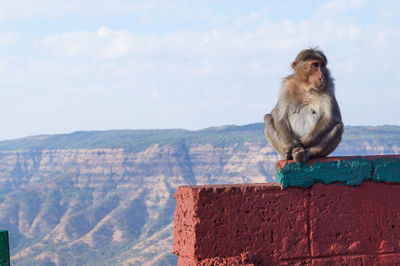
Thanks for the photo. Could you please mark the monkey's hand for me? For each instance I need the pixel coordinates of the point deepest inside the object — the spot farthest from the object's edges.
(287, 154)
(306, 140)
(320, 130)
(299, 154)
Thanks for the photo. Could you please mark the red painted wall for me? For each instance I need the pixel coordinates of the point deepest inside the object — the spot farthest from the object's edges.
(260, 224)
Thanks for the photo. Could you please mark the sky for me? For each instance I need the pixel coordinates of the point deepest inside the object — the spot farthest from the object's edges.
(73, 65)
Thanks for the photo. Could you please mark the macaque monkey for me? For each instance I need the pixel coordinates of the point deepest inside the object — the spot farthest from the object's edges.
(306, 121)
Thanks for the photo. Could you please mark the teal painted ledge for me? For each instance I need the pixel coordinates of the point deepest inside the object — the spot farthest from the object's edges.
(349, 170)
(4, 249)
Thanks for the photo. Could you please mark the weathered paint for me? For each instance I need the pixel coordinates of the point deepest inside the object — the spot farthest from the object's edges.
(4, 249)
(349, 171)
(386, 170)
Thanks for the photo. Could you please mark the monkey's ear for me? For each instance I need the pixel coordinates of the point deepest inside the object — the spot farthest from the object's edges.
(294, 64)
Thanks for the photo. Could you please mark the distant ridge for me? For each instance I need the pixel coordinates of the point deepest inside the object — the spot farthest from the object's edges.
(130, 139)
(137, 140)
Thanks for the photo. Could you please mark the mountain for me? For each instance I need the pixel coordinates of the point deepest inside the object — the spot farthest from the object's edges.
(107, 197)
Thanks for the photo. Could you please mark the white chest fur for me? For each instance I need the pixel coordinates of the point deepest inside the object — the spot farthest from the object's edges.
(303, 120)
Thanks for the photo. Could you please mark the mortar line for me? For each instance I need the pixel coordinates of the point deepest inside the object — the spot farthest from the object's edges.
(340, 255)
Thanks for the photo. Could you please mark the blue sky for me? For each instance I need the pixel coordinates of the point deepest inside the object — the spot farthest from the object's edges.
(96, 65)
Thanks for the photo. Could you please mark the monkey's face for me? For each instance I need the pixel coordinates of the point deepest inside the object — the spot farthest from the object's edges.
(317, 74)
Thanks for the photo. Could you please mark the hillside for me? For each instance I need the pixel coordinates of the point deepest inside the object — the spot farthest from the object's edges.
(106, 197)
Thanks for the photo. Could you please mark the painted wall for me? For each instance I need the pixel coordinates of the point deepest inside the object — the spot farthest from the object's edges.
(261, 224)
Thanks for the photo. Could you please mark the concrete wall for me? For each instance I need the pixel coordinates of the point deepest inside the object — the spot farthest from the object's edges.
(261, 224)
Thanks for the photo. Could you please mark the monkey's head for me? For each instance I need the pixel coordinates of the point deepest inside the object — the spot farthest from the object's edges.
(310, 67)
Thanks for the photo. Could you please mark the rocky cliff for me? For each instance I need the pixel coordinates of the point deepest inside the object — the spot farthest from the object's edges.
(106, 198)
(70, 206)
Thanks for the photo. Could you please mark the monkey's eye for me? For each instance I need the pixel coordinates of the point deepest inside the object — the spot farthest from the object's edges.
(316, 64)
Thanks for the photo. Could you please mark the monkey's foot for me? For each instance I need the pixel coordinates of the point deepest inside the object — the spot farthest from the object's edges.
(285, 157)
(299, 154)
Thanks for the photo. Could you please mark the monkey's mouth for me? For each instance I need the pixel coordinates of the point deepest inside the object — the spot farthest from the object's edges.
(319, 85)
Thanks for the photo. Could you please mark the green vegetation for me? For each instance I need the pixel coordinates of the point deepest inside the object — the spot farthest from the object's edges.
(137, 140)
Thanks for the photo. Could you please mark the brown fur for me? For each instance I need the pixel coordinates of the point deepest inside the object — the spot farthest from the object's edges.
(306, 121)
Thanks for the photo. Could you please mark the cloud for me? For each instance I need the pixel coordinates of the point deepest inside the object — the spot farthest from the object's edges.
(188, 59)
(103, 44)
(325, 28)
(216, 68)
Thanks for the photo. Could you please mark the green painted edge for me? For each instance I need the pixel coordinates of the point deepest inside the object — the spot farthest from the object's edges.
(351, 172)
(4, 249)
(387, 170)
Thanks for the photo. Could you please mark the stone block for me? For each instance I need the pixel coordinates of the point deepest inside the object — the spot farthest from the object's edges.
(349, 170)
(354, 220)
(230, 220)
(386, 168)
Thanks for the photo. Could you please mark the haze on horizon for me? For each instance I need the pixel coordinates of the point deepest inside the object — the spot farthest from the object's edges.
(95, 65)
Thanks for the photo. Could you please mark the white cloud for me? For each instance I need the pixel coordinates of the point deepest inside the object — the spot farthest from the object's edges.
(221, 72)
(182, 60)
(266, 38)
(103, 44)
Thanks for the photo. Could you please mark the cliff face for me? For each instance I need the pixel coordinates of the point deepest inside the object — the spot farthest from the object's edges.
(62, 205)
(106, 198)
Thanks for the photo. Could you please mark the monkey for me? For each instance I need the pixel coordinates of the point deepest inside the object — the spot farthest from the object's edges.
(306, 121)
